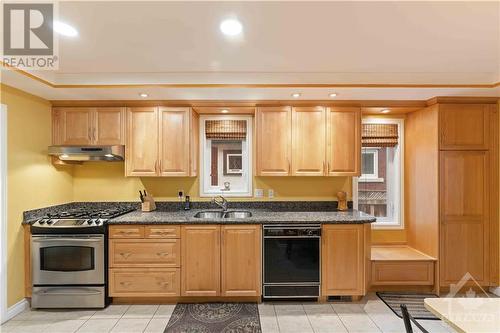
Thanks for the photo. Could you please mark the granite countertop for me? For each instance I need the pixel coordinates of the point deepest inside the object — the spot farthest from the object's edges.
(169, 212)
(259, 216)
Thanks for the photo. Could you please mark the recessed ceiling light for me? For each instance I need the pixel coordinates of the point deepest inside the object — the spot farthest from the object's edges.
(143, 95)
(231, 27)
(385, 111)
(332, 95)
(65, 29)
(296, 95)
(224, 111)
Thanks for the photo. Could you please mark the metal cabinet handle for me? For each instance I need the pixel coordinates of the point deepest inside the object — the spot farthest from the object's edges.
(125, 254)
(94, 134)
(162, 254)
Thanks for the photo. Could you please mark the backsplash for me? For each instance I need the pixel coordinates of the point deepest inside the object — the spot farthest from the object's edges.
(107, 182)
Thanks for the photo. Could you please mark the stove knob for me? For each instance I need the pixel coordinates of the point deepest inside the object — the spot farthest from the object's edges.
(89, 221)
(49, 222)
(41, 221)
(97, 221)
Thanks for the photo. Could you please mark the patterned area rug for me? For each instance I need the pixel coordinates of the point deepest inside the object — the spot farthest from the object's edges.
(215, 318)
(414, 303)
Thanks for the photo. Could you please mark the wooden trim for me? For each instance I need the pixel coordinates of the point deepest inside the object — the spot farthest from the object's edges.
(185, 299)
(239, 105)
(462, 100)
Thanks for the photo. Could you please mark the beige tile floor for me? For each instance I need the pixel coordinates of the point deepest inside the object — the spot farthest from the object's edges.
(368, 315)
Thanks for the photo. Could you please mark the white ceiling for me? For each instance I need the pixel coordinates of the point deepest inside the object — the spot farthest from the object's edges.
(283, 42)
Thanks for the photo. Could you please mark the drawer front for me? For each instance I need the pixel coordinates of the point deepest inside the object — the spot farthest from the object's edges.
(127, 282)
(162, 231)
(126, 231)
(144, 253)
(403, 273)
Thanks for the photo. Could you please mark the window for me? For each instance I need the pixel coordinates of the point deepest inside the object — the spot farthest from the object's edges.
(226, 155)
(379, 189)
(369, 165)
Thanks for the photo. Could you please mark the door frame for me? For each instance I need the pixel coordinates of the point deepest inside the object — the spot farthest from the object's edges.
(3, 213)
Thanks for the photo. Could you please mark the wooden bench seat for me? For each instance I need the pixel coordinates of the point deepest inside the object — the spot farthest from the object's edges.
(401, 265)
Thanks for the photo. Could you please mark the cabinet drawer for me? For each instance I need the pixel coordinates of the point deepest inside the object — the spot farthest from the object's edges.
(127, 282)
(162, 231)
(126, 231)
(144, 253)
(403, 273)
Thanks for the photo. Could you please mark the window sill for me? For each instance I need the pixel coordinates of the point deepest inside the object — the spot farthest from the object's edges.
(370, 180)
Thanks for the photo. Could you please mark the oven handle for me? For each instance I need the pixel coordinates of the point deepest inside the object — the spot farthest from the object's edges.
(48, 292)
(83, 240)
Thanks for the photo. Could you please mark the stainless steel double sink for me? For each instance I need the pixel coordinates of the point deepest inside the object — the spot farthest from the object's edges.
(236, 214)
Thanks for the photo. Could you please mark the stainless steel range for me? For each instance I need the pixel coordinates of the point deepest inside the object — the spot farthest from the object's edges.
(68, 253)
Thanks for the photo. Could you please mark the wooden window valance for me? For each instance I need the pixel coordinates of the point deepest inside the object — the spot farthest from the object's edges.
(379, 135)
(226, 129)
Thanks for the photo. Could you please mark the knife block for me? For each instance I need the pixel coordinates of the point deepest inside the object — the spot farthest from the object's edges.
(149, 204)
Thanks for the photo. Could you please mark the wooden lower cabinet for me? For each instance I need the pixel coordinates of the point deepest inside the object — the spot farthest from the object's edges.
(200, 260)
(221, 260)
(241, 260)
(344, 259)
(143, 282)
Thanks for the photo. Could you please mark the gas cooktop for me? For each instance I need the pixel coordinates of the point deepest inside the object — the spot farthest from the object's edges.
(79, 220)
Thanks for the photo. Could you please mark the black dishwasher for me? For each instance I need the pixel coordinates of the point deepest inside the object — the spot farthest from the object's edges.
(291, 255)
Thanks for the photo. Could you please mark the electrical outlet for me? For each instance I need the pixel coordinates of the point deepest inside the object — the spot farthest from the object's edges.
(180, 194)
(259, 193)
(270, 193)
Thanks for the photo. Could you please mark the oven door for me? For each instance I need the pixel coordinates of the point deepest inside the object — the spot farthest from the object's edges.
(293, 260)
(74, 260)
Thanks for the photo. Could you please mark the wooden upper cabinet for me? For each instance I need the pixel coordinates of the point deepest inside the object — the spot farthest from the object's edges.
(241, 264)
(343, 260)
(174, 141)
(308, 141)
(109, 126)
(274, 141)
(141, 156)
(200, 260)
(464, 214)
(89, 126)
(464, 126)
(343, 141)
(72, 126)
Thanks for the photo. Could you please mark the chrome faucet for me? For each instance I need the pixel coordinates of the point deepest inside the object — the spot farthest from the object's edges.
(221, 202)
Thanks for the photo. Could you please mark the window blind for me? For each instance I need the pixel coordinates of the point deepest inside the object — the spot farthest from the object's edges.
(379, 135)
(228, 129)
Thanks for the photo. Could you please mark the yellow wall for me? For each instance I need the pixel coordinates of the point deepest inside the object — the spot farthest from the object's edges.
(32, 181)
(106, 182)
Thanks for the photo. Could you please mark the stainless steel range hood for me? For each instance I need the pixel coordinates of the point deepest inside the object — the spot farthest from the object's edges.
(88, 153)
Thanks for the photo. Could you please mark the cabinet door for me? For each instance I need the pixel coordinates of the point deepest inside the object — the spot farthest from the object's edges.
(344, 141)
(464, 126)
(274, 141)
(200, 260)
(174, 141)
(141, 156)
(343, 260)
(308, 141)
(109, 126)
(464, 207)
(241, 266)
(72, 126)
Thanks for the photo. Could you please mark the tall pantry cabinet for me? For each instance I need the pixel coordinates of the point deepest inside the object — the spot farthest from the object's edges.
(468, 196)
